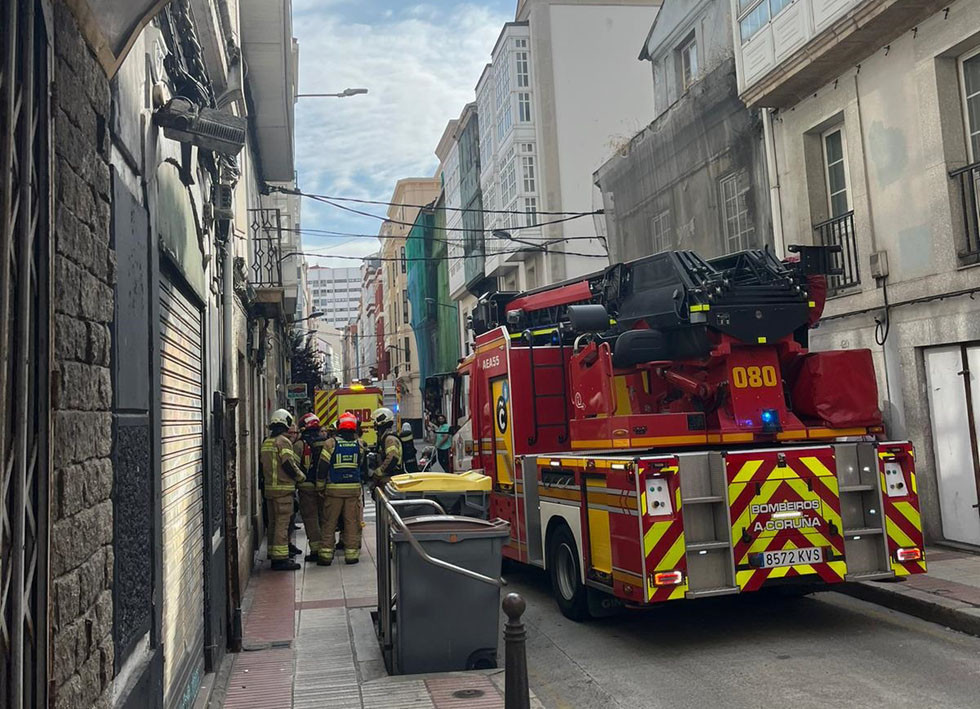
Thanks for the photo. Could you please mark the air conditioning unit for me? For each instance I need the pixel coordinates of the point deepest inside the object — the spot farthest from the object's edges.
(182, 120)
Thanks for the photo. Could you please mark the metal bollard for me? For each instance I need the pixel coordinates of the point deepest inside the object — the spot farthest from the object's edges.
(516, 694)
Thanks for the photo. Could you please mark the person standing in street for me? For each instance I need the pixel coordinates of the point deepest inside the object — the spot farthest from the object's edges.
(342, 492)
(311, 492)
(444, 441)
(281, 472)
(388, 449)
(409, 454)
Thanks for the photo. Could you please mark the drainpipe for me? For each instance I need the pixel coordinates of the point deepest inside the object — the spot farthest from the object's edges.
(772, 169)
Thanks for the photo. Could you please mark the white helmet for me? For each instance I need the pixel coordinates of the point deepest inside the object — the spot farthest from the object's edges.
(383, 417)
(282, 417)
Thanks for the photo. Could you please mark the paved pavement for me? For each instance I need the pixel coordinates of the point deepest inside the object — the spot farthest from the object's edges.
(949, 594)
(827, 650)
(309, 642)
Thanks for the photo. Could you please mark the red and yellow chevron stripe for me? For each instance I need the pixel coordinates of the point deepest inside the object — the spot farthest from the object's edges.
(663, 544)
(903, 524)
(325, 405)
(804, 477)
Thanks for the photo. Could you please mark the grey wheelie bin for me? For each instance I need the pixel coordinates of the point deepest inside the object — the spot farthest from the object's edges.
(445, 621)
(466, 494)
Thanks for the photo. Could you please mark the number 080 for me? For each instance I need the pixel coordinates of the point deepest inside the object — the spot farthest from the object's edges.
(754, 377)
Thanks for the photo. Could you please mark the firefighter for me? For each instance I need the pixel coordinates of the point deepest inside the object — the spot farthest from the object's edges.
(311, 492)
(343, 491)
(388, 448)
(409, 454)
(281, 472)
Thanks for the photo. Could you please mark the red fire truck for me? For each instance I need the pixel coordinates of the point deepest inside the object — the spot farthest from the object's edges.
(659, 430)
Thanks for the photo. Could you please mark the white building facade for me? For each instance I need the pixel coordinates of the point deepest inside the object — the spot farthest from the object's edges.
(543, 135)
(874, 110)
(336, 292)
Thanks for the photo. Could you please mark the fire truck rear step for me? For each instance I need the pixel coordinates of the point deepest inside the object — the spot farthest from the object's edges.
(711, 592)
(862, 512)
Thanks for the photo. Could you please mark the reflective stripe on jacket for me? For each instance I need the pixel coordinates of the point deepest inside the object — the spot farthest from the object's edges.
(276, 452)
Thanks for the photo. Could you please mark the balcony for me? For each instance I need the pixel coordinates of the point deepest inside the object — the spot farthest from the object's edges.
(839, 231)
(265, 274)
(968, 179)
(788, 50)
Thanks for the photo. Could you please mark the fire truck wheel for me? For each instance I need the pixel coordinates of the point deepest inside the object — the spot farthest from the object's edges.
(566, 576)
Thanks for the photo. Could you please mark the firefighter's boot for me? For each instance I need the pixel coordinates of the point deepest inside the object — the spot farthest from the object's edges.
(325, 557)
(284, 565)
(294, 550)
(352, 556)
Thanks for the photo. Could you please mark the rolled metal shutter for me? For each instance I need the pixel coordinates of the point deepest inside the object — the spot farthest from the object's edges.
(182, 470)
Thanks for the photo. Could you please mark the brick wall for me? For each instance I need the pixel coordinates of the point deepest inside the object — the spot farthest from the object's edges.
(84, 264)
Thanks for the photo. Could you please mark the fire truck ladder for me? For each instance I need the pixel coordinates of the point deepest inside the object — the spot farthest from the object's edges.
(704, 502)
(535, 396)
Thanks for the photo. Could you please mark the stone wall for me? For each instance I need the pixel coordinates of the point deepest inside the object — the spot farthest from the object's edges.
(84, 264)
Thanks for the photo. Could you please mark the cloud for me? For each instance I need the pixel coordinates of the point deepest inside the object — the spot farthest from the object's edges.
(421, 63)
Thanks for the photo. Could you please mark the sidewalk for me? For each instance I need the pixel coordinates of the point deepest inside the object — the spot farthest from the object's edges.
(948, 594)
(309, 642)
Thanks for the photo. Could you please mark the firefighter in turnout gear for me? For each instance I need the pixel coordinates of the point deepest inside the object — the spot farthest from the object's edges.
(342, 491)
(311, 492)
(409, 454)
(281, 473)
(389, 448)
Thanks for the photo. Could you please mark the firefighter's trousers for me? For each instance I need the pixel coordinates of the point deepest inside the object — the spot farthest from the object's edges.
(311, 508)
(342, 501)
(280, 509)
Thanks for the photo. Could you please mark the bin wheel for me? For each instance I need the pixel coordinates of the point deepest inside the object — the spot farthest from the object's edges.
(566, 576)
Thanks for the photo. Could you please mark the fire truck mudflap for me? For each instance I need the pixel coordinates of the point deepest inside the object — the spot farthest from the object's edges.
(657, 528)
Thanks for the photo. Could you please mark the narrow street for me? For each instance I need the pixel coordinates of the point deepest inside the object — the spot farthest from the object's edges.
(824, 650)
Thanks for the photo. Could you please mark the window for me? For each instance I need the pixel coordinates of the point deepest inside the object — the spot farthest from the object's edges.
(689, 62)
(660, 229)
(405, 306)
(755, 14)
(403, 262)
(523, 74)
(461, 396)
(530, 211)
(408, 355)
(508, 182)
(520, 43)
(527, 170)
(970, 69)
(524, 107)
(739, 229)
(835, 169)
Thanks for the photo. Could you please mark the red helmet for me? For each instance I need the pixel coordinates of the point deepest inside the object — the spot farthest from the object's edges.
(347, 422)
(309, 422)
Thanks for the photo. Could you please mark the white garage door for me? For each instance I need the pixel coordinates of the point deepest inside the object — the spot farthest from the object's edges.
(182, 468)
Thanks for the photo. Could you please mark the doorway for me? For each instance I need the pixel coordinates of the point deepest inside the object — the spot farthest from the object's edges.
(953, 380)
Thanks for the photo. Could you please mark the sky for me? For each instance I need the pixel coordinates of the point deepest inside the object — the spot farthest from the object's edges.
(420, 62)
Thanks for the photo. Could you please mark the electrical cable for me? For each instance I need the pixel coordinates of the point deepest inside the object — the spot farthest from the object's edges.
(382, 237)
(882, 328)
(396, 259)
(300, 193)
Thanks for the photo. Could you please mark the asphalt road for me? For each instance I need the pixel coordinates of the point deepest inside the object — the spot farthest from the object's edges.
(827, 650)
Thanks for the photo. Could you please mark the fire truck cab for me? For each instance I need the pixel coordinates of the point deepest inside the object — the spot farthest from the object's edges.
(660, 431)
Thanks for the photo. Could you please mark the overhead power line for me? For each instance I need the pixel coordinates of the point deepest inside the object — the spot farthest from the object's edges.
(425, 206)
(360, 212)
(396, 259)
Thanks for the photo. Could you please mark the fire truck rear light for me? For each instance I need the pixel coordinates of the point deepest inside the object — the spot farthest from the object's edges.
(910, 554)
(667, 578)
(555, 463)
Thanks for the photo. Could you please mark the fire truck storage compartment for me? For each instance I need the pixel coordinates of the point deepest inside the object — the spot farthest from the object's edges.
(466, 494)
(838, 389)
(444, 621)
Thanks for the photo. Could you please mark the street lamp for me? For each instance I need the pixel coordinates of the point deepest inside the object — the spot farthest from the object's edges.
(315, 314)
(529, 245)
(346, 93)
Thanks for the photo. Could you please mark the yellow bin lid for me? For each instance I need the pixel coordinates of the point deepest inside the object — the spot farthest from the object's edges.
(441, 482)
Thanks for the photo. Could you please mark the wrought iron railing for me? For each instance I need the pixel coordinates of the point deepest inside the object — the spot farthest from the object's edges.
(969, 179)
(839, 231)
(265, 231)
